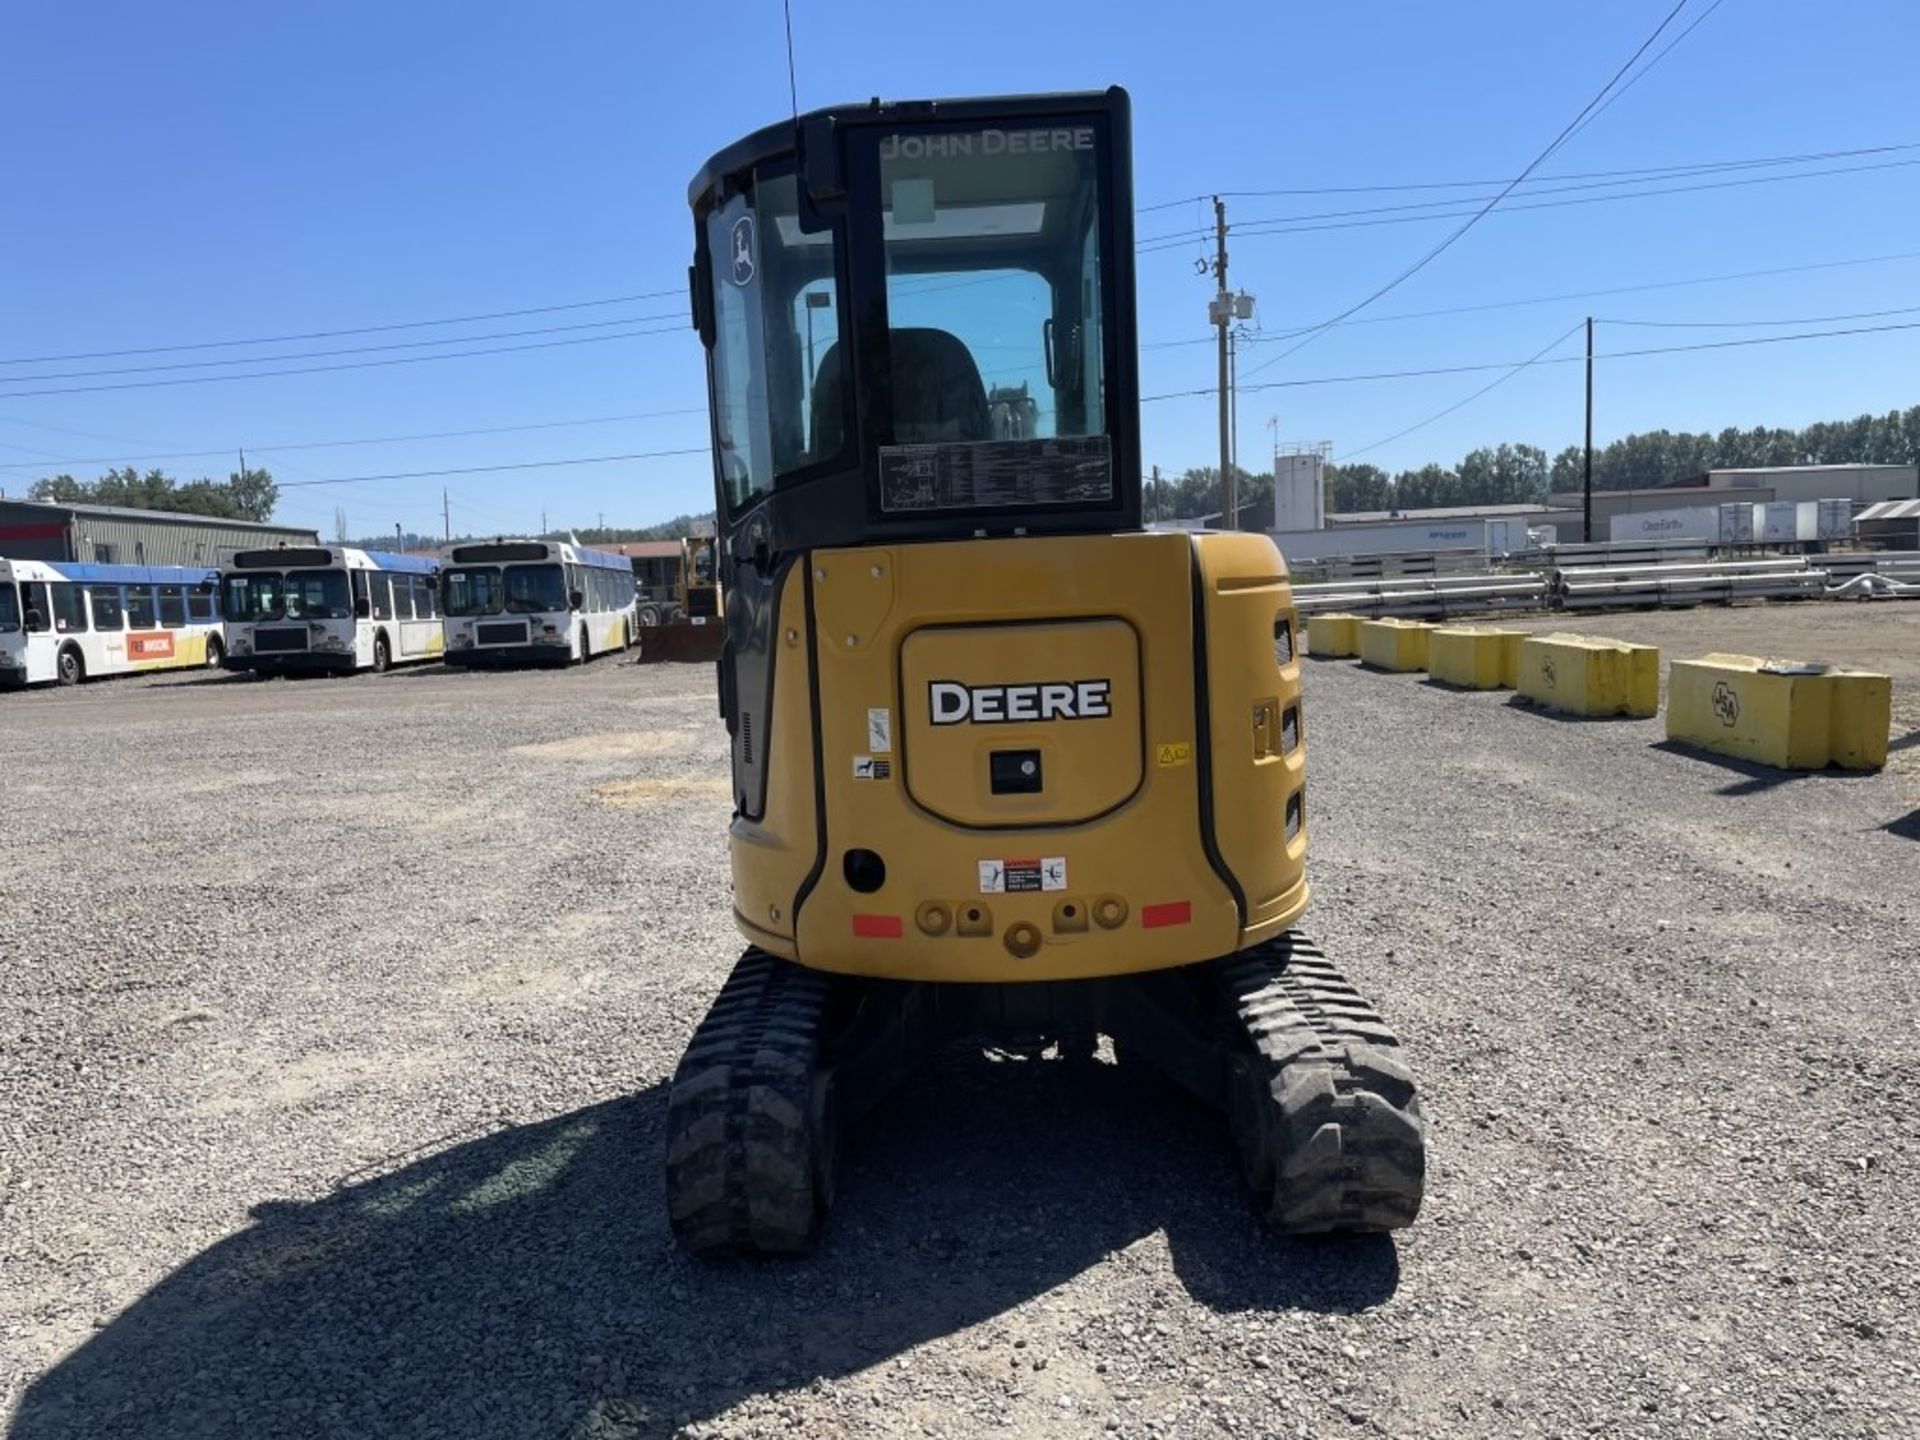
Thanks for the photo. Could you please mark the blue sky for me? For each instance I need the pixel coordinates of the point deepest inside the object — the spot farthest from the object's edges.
(212, 171)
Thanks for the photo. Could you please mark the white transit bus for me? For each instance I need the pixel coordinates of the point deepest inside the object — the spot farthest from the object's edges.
(535, 601)
(67, 622)
(328, 609)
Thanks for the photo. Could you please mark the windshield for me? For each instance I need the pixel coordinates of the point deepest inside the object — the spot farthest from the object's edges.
(470, 590)
(9, 608)
(256, 595)
(296, 595)
(488, 590)
(318, 595)
(532, 589)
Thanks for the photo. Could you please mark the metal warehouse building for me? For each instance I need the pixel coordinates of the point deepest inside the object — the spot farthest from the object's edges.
(109, 535)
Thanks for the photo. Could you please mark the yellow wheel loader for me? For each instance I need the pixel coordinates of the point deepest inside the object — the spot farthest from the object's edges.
(1005, 765)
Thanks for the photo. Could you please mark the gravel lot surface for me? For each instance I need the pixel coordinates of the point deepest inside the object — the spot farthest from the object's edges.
(335, 1020)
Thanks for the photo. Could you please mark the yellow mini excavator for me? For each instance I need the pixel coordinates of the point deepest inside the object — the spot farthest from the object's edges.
(1005, 764)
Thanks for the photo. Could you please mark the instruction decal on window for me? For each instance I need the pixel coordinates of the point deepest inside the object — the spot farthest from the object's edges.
(1014, 877)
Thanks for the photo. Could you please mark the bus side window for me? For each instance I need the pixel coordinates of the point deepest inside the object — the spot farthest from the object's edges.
(173, 607)
(109, 611)
(140, 607)
(37, 613)
(69, 610)
(402, 597)
(199, 608)
(377, 589)
(424, 606)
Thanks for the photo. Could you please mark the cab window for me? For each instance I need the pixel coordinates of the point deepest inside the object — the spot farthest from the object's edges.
(778, 370)
(994, 297)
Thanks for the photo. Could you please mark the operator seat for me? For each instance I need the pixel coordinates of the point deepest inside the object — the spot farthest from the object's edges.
(937, 392)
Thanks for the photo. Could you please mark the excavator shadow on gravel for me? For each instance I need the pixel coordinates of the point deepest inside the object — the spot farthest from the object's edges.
(1006, 765)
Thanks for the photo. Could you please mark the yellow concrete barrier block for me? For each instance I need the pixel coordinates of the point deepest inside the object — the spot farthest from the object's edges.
(1333, 635)
(1474, 657)
(1582, 675)
(1395, 644)
(1781, 712)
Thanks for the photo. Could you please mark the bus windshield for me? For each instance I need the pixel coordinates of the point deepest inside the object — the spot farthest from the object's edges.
(534, 589)
(256, 595)
(470, 590)
(318, 595)
(9, 608)
(296, 595)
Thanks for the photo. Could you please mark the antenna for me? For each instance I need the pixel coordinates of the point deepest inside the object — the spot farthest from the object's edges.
(793, 85)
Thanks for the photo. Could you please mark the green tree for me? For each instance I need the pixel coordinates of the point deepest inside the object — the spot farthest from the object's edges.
(243, 495)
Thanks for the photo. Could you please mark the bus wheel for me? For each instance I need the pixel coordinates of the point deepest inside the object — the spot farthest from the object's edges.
(70, 669)
(649, 616)
(382, 656)
(215, 653)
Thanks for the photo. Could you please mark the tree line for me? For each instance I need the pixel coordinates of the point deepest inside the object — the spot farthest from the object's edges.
(1511, 474)
(248, 494)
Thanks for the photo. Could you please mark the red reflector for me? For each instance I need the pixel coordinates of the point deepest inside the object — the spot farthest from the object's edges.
(877, 927)
(1174, 912)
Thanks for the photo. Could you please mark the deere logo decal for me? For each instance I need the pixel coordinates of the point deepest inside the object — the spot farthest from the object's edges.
(952, 703)
(1726, 703)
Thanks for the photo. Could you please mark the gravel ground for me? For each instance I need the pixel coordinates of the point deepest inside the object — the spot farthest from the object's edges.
(338, 1014)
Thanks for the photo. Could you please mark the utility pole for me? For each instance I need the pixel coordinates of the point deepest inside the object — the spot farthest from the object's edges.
(1155, 492)
(446, 515)
(543, 524)
(1586, 532)
(1222, 316)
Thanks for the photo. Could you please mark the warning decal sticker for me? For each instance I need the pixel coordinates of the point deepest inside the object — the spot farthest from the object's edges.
(872, 767)
(1179, 752)
(880, 731)
(1013, 877)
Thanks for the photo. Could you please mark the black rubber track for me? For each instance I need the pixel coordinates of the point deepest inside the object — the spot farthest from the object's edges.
(749, 1156)
(1323, 1110)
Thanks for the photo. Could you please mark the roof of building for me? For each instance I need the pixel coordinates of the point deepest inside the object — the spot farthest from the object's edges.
(1891, 510)
(647, 549)
(177, 517)
(1441, 512)
(1797, 469)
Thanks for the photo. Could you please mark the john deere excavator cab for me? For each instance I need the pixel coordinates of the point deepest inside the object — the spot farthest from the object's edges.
(1003, 763)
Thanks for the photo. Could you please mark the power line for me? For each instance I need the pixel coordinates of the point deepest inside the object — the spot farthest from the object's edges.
(319, 354)
(1665, 50)
(1630, 172)
(1563, 360)
(349, 365)
(1406, 315)
(337, 334)
(1491, 385)
(1756, 324)
(494, 469)
(369, 440)
(1398, 214)
(1259, 229)
(1438, 250)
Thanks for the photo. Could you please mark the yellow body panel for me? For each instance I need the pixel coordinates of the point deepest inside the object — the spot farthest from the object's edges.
(1106, 869)
(1474, 657)
(1395, 644)
(1334, 635)
(1581, 675)
(1759, 710)
(166, 650)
